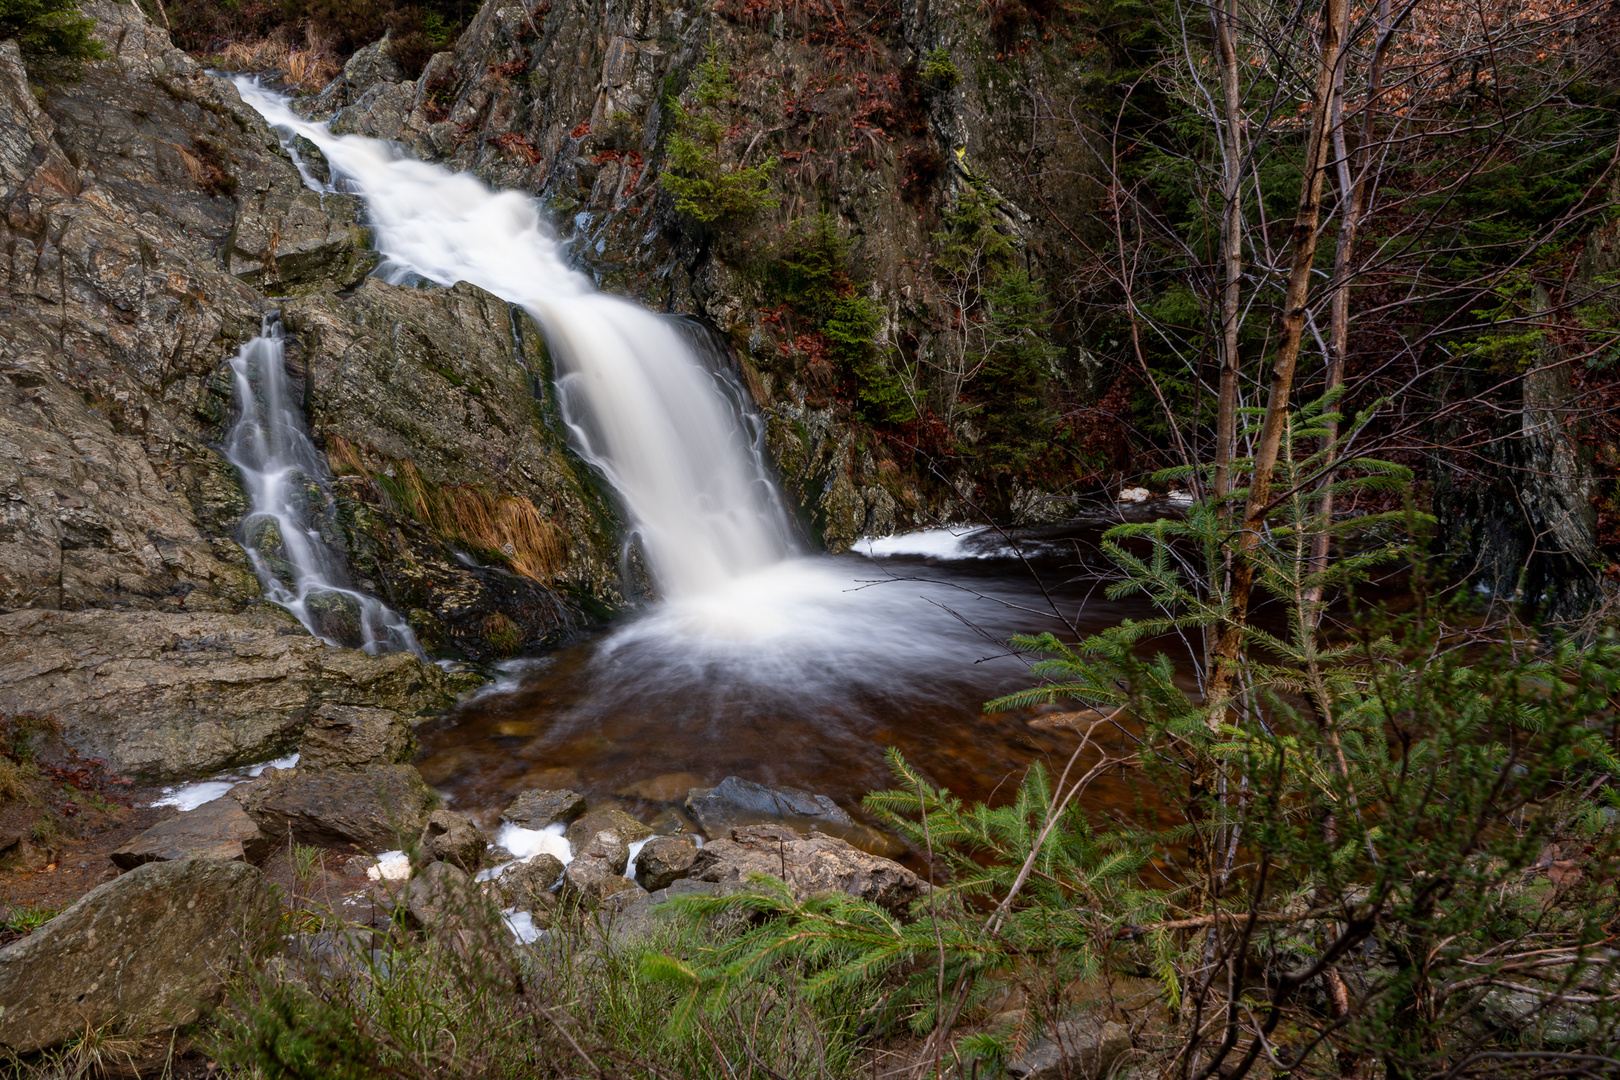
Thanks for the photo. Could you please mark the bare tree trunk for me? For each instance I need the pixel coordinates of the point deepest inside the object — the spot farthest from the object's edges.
(1223, 13)
(1229, 646)
(1352, 181)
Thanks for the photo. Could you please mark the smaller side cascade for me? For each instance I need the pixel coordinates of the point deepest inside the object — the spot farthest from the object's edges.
(289, 490)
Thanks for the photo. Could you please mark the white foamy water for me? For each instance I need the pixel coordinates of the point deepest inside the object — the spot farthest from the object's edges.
(642, 403)
(185, 797)
(289, 489)
(527, 843)
(647, 404)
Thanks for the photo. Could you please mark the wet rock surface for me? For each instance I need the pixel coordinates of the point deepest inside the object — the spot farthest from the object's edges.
(373, 809)
(664, 860)
(453, 838)
(527, 885)
(150, 949)
(215, 830)
(165, 695)
(602, 819)
(809, 864)
(735, 801)
(353, 737)
(539, 809)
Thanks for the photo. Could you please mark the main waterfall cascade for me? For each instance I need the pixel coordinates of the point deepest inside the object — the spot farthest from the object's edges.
(641, 405)
(288, 487)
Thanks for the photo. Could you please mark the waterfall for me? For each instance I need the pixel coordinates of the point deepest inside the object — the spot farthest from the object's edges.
(289, 491)
(640, 403)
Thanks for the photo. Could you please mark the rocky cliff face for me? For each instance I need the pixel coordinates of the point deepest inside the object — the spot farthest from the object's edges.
(884, 119)
(151, 220)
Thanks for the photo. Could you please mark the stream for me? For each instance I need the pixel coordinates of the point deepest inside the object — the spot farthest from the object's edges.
(759, 660)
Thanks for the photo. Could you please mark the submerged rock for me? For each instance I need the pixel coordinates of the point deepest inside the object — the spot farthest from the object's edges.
(539, 809)
(667, 788)
(373, 809)
(664, 860)
(147, 951)
(809, 864)
(735, 801)
(215, 830)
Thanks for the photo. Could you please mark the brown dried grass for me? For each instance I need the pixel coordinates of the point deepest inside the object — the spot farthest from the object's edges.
(508, 526)
(307, 67)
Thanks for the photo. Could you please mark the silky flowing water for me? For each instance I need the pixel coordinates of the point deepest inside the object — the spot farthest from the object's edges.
(759, 659)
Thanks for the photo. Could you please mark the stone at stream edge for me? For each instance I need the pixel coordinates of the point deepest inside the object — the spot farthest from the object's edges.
(527, 885)
(453, 838)
(215, 830)
(538, 809)
(809, 864)
(353, 737)
(374, 809)
(148, 950)
(735, 801)
(664, 860)
(605, 819)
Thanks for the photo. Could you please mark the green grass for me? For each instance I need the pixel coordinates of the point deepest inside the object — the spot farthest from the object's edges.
(470, 1002)
(27, 920)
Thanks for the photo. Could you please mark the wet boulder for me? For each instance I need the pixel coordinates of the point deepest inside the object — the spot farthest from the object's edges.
(605, 819)
(735, 801)
(664, 860)
(523, 884)
(592, 881)
(538, 809)
(372, 809)
(354, 737)
(450, 837)
(215, 830)
(439, 896)
(147, 951)
(809, 864)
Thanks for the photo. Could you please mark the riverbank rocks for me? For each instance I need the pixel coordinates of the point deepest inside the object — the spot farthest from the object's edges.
(593, 881)
(354, 737)
(664, 860)
(147, 951)
(604, 819)
(164, 695)
(526, 885)
(372, 809)
(437, 896)
(539, 809)
(808, 864)
(215, 830)
(735, 801)
(452, 838)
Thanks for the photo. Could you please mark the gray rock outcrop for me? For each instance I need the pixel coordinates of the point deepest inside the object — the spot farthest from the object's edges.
(354, 737)
(173, 695)
(215, 830)
(145, 952)
(374, 809)
(809, 864)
